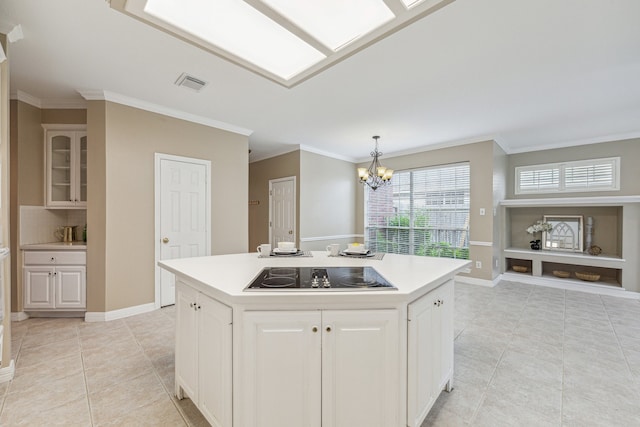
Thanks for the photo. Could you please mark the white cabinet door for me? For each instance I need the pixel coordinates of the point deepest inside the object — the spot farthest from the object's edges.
(204, 354)
(66, 166)
(444, 333)
(214, 361)
(429, 351)
(360, 368)
(281, 369)
(38, 287)
(70, 287)
(186, 342)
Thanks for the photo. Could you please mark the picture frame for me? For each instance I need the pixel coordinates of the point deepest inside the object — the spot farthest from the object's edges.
(566, 235)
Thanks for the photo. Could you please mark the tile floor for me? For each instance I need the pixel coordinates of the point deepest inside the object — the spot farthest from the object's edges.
(524, 356)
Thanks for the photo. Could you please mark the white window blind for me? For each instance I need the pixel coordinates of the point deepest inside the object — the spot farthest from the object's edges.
(423, 212)
(583, 175)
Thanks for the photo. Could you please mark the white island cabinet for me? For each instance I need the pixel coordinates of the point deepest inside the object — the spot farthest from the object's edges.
(316, 358)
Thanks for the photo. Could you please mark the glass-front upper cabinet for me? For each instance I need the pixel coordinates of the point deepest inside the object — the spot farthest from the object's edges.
(66, 166)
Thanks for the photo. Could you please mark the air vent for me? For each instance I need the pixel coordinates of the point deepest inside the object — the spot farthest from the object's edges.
(191, 82)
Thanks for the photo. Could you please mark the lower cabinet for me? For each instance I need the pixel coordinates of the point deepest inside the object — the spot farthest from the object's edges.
(320, 368)
(54, 287)
(430, 351)
(204, 354)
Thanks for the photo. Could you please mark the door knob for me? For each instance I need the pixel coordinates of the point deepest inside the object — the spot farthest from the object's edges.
(290, 231)
(165, 240)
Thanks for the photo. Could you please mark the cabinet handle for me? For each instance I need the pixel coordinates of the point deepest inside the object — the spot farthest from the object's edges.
(53, 259)
(328, 329)
(435, 303)
(49, 274)
(198, 308)
(314, 329)
(55, 273)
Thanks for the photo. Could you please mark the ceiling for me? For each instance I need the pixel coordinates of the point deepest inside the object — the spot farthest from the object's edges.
(529, 74)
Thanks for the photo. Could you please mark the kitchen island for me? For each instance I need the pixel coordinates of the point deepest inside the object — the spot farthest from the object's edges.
(313, 357)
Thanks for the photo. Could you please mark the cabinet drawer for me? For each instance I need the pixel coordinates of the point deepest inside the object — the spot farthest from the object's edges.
(55, 258)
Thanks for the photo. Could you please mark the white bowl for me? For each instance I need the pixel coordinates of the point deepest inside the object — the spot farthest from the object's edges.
(287, 246)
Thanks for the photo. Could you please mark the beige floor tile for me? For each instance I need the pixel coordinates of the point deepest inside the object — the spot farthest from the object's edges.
(499, 413)
(118, 370)
(107, 339)
(121, 399)
(38, 376)
(51, 394)
(160, 413)
(461, 402)
(49, 353)
(95, 357)
(71, 414)
(48, 337)
(190, 413)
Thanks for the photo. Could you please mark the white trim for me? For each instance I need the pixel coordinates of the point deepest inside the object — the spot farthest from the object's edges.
(476, 281)
(26, 98)
(207, 164)
(478, 243)
(295, 205)
(58, 126)
(6, 373)
(572, 201)
(569, 286)
(336, 237)
(106, 316)
(326, 153)
(166, 111)
(576, 142)
(19, 316)
(272, 154)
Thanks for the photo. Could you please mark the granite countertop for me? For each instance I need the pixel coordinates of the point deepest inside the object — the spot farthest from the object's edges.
(55, 246)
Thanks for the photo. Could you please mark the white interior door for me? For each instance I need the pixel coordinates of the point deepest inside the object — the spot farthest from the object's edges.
(184, 215)
(282, 210)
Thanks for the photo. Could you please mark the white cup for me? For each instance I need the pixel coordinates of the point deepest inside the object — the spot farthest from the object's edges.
(286, 246)
(264, 249)
(333, 249)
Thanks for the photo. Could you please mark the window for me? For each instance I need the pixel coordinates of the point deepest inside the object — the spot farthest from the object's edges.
(423, 212)
(583, 175)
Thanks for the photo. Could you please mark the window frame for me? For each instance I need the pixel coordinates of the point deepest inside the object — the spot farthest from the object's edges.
(562, 168)
(458, 194)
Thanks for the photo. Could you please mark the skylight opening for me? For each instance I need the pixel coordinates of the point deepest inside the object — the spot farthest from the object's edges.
(238, 28)
(334, 23)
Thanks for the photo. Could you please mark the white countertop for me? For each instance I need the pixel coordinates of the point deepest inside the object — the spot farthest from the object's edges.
(224, 277)
(55, 246)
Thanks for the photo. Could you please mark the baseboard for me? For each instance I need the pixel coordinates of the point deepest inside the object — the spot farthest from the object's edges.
(6, 373)
(569, 286)
(19, 316)
(475, 281)
(118, 314)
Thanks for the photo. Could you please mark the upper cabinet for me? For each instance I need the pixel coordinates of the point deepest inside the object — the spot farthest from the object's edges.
(66, 166)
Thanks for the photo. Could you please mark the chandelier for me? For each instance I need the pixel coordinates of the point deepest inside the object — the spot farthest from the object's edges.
(376, 175)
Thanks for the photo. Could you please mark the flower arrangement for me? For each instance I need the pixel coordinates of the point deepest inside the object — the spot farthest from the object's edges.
(538, 227)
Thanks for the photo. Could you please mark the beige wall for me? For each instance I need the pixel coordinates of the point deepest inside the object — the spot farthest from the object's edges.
(27, 171)
(627, 150)
(126, 192)
(328, 189)
(260, 173)
(481, 157)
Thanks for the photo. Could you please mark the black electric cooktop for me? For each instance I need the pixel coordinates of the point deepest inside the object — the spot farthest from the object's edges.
(319, 278)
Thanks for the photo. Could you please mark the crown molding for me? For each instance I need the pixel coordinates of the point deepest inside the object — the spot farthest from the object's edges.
(326, 153)
(26, 98)
(577, 142)
(93, 95)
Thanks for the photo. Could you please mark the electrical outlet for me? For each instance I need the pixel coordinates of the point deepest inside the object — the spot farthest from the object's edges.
(478, 264)
(482, 211)
(497, 264)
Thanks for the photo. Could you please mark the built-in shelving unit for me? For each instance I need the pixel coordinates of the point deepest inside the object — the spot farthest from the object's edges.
(615, 219)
